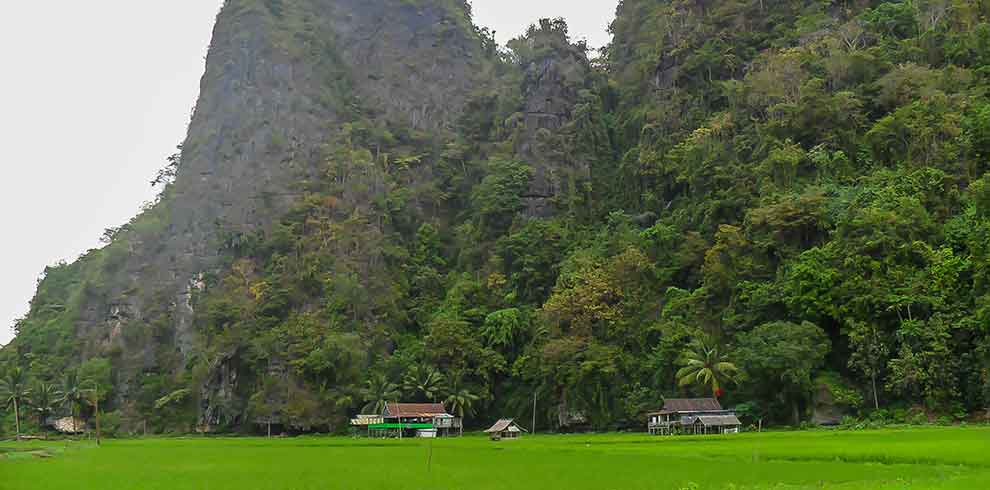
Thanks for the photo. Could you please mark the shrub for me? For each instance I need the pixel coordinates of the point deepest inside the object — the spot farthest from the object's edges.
(111, 423)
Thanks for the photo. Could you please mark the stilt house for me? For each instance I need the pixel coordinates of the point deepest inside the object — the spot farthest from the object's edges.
(693, 416)
(413, 420)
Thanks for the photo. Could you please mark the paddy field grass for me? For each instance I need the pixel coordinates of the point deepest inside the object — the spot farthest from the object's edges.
(920, 458)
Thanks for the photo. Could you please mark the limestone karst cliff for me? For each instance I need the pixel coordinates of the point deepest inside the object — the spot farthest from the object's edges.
(376, 201)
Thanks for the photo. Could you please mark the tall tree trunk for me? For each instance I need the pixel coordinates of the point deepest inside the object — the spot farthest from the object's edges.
(563, 411)
(98, 434)
(797, 413)
(534, 412)
(876, 398)
(17, 419)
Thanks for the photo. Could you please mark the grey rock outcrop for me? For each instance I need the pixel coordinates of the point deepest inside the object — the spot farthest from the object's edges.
(278, 83)
(551, 88)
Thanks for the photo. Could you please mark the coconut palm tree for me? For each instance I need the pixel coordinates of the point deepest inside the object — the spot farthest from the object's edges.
(424, 382)
(44, 400)
(93, 396)
(14, 392)
(703, 364)
(377, 392)
(460, 399)
(72, 396)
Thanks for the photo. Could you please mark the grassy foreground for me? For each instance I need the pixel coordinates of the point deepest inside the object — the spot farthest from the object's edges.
(931, 458)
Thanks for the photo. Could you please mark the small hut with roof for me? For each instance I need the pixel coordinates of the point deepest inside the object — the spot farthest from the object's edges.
(505, 429)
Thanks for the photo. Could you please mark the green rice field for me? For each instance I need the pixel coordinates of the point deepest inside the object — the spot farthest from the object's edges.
(919, 458)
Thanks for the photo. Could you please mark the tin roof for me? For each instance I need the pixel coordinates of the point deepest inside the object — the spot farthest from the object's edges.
(69, 425)
(414, 409)
(691, 405)
(719, 420)
(505, 425)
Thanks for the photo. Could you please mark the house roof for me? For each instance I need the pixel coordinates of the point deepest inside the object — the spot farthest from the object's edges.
(719, 420)
(505, 425)
(69, 425)
(672, 405)
(366, 420)
(414, 409)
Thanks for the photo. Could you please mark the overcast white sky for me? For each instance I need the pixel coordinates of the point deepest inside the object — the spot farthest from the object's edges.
(94, 95)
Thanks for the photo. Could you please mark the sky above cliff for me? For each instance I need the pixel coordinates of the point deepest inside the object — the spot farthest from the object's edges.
(92, 101)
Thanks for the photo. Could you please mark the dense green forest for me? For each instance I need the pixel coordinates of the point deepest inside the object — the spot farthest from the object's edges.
(795, 195)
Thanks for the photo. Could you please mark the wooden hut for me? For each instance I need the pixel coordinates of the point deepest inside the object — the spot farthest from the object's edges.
(505, 429)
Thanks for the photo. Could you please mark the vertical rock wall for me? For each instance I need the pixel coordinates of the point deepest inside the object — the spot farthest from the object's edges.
(278, 83)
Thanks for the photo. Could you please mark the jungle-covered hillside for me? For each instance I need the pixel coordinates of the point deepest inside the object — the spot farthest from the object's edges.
(784, 204)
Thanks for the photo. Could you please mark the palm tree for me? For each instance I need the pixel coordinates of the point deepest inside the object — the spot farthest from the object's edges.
(460, 400)
(72, 396)
(93, 397)
(424, 382)
(705, 365)
(45, 401)
(14, 391)
(377, 392)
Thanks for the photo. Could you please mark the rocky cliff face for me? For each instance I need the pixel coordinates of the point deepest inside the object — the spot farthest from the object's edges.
(552, 83)
(278, 84)
(281, 79)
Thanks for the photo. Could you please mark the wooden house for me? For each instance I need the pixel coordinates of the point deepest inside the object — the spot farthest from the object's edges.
(693, 416)
(505, 429)
(412, 420)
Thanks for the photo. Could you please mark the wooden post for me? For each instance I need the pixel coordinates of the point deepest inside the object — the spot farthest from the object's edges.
(429, 462)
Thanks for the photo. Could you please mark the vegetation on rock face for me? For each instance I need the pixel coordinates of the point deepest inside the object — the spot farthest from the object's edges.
(804, 184)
